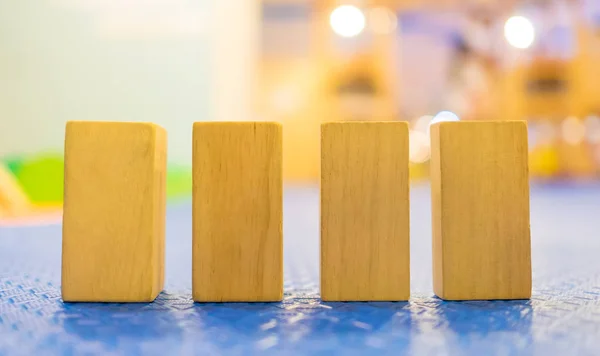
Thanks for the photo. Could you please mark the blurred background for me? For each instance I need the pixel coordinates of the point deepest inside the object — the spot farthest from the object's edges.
(298, 62)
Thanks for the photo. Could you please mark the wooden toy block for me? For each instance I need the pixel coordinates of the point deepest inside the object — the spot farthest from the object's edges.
(365, 212)
(13, 200)
(237, 212)
(114, 212)
(480, 208)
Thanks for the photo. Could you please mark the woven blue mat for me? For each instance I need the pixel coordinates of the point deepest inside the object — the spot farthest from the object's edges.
(563, 317)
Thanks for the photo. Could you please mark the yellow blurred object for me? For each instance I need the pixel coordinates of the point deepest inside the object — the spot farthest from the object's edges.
(586, 71)
(557, 93)
(289, 90)
(16, 208)
(537, 90)
(543, 162)
(367, 77)
(419, 171)
(558, 88)
(327, 85)
(575, 161)
(13, 201)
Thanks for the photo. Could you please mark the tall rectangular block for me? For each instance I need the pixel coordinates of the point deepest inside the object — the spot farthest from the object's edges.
(237, 212)
(114, 212)
(480, 208)
(365, 211)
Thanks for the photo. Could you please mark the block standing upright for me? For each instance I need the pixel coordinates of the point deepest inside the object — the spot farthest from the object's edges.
(114, 212)
(364, 211)
(237, 212)
(480, 210)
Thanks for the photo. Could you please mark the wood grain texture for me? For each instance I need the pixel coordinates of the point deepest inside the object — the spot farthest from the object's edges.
(365, 211)
(480, 210)
(114, 212)
(13, 200)
(237, 212)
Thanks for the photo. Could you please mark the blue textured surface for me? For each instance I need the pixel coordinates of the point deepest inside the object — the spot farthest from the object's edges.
(563, 317)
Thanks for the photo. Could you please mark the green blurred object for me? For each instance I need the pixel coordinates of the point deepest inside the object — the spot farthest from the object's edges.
(42, 178)
(13, 163)
(179, 182)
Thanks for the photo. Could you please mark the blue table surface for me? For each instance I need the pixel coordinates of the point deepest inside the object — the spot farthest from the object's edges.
(563, 316)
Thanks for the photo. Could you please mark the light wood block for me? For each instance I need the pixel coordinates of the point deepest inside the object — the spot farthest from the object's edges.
(480, 208)
(237, 212)
(114, 212)
(13, 200)
(364, 211)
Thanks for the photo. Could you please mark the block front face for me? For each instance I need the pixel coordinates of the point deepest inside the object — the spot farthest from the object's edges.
(364, 211)
(113, 223)
(237, 212)
(480, 203)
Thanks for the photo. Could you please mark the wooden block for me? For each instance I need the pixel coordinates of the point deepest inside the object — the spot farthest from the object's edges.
(13, 200)
(114, 212)
(237, 212)
(480, 208)
(364, 211)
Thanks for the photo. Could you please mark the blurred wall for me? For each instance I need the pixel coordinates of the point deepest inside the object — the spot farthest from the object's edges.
(171, 62)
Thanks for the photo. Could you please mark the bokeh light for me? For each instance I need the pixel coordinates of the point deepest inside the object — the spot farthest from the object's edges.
(422, 123)
(592, 129)
(347, 21)
(596, 154)
(418, 147)
(443, 116)
(573, 131)
(519, 32)
(532, 135)
(546, 133)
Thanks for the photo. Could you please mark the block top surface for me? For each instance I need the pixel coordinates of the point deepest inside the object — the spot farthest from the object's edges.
(483, 124)
(363, 123)
(78, 126)
(203, 124)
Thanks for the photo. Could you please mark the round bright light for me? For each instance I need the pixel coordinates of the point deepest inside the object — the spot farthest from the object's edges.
(592, 128)
(422, 123)
(418, 146)
(546, 133)
(347, 20)
(573, 131)
(519, 32)
(444, 116)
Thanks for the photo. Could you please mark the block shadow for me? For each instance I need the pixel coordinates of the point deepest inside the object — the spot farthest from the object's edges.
(505, 323)
(118, 326)
(304, 324)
